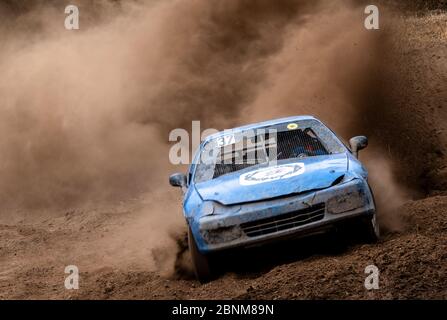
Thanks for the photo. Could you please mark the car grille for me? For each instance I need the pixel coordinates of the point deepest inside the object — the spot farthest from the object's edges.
(284, 221)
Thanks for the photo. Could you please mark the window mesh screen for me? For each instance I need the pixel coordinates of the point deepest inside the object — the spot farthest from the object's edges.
(290, 144)
(299, 143)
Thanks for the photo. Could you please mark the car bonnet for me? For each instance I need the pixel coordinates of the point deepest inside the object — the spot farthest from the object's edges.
(260, 183)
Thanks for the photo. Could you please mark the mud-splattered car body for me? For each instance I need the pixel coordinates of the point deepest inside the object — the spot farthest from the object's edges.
(298, 195)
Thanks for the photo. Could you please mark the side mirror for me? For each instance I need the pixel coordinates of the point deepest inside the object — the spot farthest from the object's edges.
(178, 180)
(358, 143)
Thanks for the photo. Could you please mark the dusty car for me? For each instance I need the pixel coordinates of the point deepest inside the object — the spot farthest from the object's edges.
(270, 181)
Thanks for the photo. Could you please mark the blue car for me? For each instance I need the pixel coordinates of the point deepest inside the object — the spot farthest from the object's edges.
(270, 181)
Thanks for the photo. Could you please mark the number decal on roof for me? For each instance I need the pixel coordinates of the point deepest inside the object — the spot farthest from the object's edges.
(225, 140)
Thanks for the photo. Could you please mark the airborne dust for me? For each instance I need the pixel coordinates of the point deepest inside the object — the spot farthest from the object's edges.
(86, 114)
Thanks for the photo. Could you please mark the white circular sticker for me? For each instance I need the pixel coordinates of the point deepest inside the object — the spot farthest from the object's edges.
(271, 173)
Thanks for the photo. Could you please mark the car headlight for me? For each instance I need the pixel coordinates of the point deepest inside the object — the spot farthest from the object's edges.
(207, 208)
(346, 202)
(222, 235)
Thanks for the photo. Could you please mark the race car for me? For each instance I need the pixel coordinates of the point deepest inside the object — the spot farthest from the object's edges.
(271, 181)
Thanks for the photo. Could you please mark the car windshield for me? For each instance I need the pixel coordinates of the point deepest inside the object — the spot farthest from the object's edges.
(236, 151)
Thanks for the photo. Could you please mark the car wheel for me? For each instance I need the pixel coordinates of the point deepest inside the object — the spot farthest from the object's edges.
(371, 230)
(200, 261)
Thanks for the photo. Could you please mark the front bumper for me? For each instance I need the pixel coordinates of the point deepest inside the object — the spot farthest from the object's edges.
(261, 222)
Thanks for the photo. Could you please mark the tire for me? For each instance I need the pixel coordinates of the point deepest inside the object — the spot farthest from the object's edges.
(370, 230)
(201, 262)
(357, 231)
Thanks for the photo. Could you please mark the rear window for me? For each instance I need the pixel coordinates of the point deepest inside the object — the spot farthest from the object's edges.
(237, 151)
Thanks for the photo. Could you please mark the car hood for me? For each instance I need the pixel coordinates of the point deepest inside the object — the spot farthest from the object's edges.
(286, 178)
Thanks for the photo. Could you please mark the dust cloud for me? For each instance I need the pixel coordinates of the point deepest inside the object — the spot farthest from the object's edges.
(86, 114)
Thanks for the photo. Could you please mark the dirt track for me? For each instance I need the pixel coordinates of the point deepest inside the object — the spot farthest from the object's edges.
(412, 261)
(413, 264)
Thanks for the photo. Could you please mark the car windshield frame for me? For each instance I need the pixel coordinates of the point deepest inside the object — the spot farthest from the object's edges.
(324, 134)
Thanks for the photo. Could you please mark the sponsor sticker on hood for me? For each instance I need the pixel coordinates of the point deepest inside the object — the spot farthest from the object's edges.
(271, 174)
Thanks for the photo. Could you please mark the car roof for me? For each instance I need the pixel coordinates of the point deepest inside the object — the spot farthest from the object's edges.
(258, 125)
